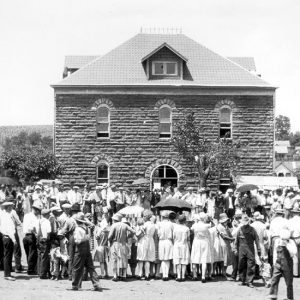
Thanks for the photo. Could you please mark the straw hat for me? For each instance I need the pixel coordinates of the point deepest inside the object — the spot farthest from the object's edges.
(223, 218)
(80, 218)
(257, 215)
(165, 214)
(245, 220)
(7, 203)
(45, 211)
(124, 220)
(117, 217)
(66, 206)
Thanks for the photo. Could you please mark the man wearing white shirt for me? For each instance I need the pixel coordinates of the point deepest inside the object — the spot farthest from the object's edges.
(74, 196)
(43, 228)
(29, 240)
(2, 193)
(8, 230)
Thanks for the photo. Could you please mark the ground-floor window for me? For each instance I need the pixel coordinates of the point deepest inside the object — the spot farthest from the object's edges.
(164, 176)
(102, 174)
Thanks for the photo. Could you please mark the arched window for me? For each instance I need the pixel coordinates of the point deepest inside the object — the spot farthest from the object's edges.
(103, 122)
(164, 175)
(102, 173)
(225, 122)
(165, 122)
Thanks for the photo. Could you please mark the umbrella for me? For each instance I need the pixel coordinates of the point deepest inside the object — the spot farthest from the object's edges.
(246, 187)
(173, 204)
(7, 181)
(135, 211)
(140, 181)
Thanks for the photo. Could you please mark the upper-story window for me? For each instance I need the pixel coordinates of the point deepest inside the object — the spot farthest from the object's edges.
(165, 122)
(102, 173)
(168, 68)
(225, 122)
(103, 121)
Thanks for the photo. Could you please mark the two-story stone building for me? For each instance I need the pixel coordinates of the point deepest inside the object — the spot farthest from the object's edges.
(114, 114)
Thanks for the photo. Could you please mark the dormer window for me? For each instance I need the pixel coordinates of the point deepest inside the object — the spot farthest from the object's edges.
(168, 68)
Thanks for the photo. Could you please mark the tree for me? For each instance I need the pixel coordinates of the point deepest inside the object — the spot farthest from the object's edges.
(30, 163)
(295, 138)
(282, 128)
(24, 139)
(209, 157)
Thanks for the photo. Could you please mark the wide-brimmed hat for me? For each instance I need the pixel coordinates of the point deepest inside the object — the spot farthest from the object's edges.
(76, 207)
(223, 218)
(66, 206)
(189, 188)
(56, 208)
(80, 218)
(37, 205)
(45, 211)
(37, 187)
(76, 187)
(117, 217)
(245, 220)
(7, 203)
(230, 191)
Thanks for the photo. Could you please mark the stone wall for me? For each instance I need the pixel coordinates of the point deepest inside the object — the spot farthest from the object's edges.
(134, 145)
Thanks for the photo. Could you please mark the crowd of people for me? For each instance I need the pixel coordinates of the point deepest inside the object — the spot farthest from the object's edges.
(68, 231)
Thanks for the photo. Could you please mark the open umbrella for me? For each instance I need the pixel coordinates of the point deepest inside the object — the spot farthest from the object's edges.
(135, 211)
(173, 204)
(246, 187)
(140, 181)
(7, 181)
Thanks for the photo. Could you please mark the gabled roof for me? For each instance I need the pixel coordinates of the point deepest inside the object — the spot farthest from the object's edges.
(246, 62)
(163, 45)
(78, 61)
(122, 66)
(281, 149)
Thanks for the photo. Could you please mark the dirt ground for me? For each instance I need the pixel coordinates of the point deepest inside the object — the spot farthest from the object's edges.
(33, 288)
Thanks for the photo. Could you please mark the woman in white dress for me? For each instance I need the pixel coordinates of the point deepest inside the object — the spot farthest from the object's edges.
(201, 249)
(146, 245)
(181, 250)
(165, 245)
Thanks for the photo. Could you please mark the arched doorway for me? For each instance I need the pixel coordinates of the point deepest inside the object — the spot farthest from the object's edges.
(164, 175)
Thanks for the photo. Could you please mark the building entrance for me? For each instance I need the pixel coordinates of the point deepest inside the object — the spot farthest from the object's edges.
(164, 176)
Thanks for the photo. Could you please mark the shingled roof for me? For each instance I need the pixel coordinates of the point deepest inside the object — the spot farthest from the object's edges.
(246, 62)
(122, 66)
(78, 61)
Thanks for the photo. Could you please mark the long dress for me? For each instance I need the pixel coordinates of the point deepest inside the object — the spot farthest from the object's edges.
(225, 243)
(102, 249)
(117, 237)
(146, 245)
(165, 235)
(201, 249)
(181, 251)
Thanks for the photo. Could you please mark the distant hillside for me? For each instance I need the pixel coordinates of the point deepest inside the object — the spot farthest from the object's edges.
(9, 131)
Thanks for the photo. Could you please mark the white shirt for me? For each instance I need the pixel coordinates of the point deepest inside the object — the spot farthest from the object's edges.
(29, 223)
(74, 197)
(2, 195)
(43, 225)
(7, 225)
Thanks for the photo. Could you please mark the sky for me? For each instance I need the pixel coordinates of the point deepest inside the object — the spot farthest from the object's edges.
(36, 35)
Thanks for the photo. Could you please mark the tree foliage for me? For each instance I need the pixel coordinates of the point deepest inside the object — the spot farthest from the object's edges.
(282, 128)
(29, 157)
(25, 139)
(218, 157)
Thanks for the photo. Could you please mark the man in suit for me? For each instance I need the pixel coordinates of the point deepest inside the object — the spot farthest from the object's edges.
(230, 203)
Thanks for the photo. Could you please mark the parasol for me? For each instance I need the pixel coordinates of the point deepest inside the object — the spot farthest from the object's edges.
(173, 204)
(246, 187)
(135, 211)
(140, 181)
(7, 181)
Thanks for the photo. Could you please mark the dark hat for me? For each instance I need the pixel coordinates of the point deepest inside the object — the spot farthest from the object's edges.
(181, 219)
(75, 207)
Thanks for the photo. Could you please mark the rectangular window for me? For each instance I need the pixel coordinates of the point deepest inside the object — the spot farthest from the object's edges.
(225, 122)
(165, 68)
(103, 119)
(102, 174)
(165, 122)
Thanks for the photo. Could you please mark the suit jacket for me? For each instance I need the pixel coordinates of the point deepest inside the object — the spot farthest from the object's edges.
(227, 202)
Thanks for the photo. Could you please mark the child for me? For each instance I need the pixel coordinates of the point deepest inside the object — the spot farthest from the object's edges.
(283, 265)
(59, 258)
(102, 249)
(265, 272)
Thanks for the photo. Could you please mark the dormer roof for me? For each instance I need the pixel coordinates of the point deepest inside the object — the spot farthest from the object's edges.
(164, 45)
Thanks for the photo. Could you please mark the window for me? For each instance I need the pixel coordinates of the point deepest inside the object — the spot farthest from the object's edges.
(103, 122)
(102, 174)
(225, 122)
(165, 122)
(164, 68)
